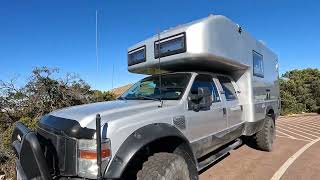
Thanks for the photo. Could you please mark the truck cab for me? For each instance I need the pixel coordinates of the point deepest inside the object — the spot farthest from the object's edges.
(209, 103)
(209, 86)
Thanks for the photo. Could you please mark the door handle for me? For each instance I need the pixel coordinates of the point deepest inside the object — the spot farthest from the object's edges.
(224, 110)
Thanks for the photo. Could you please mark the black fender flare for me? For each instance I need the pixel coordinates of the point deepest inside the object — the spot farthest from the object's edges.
(138, 140)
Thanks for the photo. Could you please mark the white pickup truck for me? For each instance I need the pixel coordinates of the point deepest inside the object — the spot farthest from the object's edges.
(211, 85)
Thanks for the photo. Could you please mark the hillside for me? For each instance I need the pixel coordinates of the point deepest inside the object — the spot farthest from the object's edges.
(119, 90)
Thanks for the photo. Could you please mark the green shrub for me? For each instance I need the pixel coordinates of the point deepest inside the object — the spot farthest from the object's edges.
(44, 92)
(7, 158)
(300, 91)
(6, 137)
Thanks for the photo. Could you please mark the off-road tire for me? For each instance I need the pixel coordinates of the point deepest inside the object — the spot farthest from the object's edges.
(164, 166)
(265, 137)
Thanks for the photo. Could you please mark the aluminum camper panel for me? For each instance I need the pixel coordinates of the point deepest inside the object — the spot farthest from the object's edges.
(216, 44)
(206, 42)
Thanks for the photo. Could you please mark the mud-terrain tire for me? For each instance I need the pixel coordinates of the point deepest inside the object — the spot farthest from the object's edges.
(164, 166)
(265, 137)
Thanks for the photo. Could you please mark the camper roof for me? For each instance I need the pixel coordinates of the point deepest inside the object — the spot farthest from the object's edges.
(214, 43)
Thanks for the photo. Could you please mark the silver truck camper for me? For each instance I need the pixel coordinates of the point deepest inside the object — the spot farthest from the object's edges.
(218, 45)
(210, 88)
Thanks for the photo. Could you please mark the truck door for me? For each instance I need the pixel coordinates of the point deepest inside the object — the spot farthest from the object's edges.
(205, 122)
(234, 108)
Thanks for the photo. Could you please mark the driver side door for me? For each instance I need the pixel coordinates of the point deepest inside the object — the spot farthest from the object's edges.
(204, 123)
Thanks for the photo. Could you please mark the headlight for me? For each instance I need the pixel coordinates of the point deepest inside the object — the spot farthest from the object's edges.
(87, 157)
(137, 56)
(170, 45)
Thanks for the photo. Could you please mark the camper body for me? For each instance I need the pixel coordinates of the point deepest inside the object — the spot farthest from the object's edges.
(216, 44)
(211, 86)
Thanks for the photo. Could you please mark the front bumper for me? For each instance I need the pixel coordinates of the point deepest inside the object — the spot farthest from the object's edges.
(31, 163)
(43, 155)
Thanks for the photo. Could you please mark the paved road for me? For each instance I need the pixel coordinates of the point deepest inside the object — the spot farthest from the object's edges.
(296, 155)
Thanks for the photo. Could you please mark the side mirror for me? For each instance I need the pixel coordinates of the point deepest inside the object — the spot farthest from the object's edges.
(204, 92)
(206, 97)
(202, 100)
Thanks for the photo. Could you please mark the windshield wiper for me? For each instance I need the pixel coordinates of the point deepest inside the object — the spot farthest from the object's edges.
(148, 97)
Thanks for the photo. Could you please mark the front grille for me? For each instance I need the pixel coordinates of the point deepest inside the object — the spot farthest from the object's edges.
(60, 152)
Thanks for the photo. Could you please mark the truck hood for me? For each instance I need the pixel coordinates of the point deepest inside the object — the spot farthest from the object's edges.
(111, 110)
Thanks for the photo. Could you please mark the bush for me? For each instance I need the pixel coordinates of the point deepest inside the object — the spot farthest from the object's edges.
(300, 91)
(43, 93)
(7, 158)
(29, 122)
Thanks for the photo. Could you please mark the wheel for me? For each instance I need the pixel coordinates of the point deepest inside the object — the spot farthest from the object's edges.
(164, 166)
(265, 137)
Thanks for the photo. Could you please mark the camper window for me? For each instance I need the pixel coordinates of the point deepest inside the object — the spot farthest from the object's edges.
(258, 69)
(170, 45)
(137, 56)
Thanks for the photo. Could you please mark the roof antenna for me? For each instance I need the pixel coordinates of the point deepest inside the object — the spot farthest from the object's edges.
(112, 75)
(159, 68)
(97, 57)
(97, 52)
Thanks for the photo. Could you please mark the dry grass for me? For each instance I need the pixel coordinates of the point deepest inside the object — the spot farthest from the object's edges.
(7, 162)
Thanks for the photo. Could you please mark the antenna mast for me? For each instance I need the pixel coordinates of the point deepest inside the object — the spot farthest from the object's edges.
(97, 57)
(112, 75)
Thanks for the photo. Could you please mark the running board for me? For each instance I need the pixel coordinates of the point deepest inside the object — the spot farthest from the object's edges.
(218, 155)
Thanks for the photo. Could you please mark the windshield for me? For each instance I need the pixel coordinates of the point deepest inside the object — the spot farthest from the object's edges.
(172, 87)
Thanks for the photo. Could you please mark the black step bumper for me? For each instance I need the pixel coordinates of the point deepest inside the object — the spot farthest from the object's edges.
(31, 163)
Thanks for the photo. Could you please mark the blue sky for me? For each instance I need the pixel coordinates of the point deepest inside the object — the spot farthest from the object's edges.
(62, 33)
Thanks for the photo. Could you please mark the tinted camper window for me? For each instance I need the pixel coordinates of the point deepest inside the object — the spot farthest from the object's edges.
(258, 69)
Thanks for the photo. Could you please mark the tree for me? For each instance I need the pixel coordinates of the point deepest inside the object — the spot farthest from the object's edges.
(44, 93)
(99, 96)
(300, 90)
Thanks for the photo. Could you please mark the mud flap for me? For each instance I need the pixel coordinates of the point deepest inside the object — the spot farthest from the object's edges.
(31, 163)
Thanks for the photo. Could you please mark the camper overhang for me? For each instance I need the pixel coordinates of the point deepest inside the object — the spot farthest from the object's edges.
(214, 43)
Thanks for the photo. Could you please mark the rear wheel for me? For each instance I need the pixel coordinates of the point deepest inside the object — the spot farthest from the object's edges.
(164, 166)
(265, 137)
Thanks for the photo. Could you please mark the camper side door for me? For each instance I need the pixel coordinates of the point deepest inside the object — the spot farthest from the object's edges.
(233, 105)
